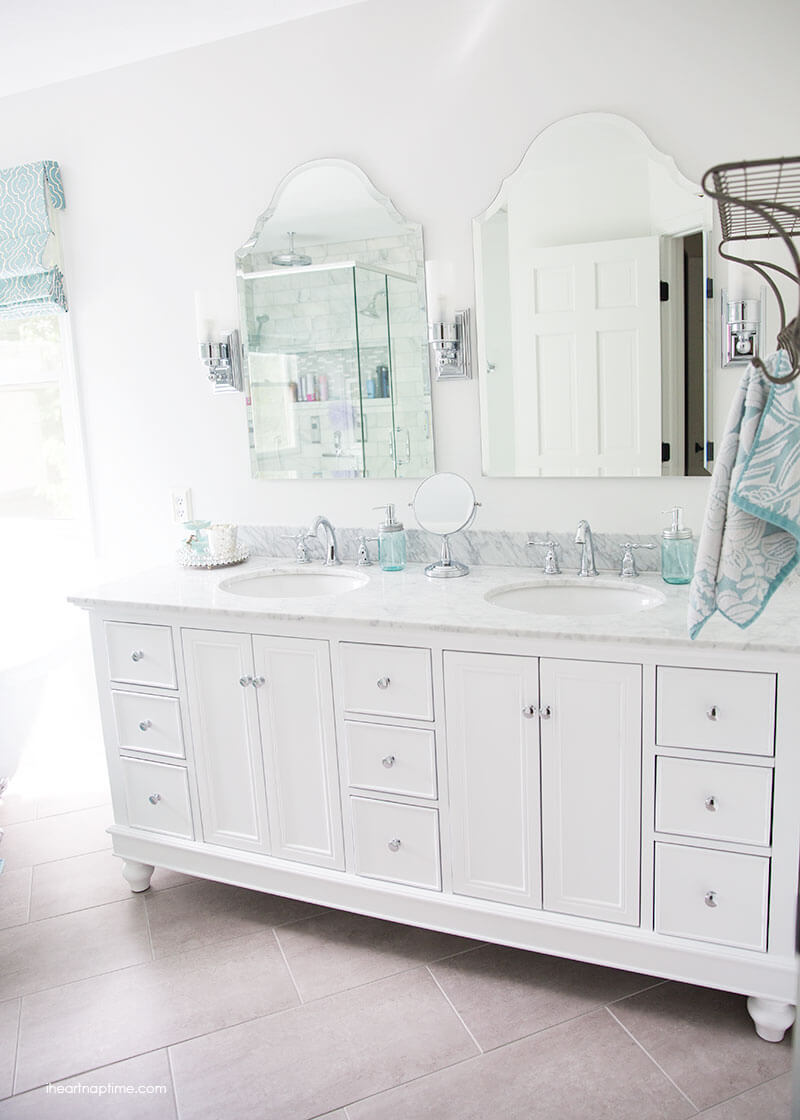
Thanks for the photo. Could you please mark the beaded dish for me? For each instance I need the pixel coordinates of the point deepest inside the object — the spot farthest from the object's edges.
(188, 558)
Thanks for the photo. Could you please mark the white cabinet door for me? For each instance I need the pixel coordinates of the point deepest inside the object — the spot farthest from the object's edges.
(295, 705)
(225, 736)
(591, 777)
(493, 752)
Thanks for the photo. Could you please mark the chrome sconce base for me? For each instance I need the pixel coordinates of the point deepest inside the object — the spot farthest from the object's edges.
(224, 362)
(449, 343)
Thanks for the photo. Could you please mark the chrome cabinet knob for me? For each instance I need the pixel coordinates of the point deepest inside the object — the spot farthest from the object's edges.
(383, 682)
(532, 710)
(711, 804)
(154, 798)
(710, 898)
(257, 682)
(389, 761)
(137, 655)
(713, 712)
(145, 725)
(394, 845)
(245, 681)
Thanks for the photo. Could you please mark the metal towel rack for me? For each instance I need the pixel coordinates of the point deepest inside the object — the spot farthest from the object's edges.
(760, 199)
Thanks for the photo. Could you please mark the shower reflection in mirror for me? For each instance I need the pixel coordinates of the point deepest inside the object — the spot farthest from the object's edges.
(332, 305)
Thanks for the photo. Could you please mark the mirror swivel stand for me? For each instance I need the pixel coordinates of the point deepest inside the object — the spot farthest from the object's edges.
(445, 567)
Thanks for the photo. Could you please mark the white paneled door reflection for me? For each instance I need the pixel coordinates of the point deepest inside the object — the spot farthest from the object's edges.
(586, 330)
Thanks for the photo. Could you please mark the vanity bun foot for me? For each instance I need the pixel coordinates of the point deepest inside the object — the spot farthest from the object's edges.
(771, 1017)
(137, 875)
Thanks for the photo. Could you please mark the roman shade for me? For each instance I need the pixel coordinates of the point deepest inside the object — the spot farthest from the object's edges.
(31, 282)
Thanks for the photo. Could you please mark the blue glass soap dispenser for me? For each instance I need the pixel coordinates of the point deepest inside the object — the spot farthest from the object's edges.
(391, 541)
(677, 550)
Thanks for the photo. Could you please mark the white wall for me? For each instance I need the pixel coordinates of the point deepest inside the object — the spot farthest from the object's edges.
(167, 163)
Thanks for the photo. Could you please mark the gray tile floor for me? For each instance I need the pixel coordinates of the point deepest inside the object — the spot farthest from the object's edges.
(222, 1002)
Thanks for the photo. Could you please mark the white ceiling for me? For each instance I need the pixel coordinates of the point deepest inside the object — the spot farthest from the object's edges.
(44, 41)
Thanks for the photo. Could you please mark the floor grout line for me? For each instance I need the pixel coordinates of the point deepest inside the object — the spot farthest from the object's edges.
(148, 929)
(652, 1059)
(16, 1047)
(288, 968)
(172, 1083)
(455, 1012)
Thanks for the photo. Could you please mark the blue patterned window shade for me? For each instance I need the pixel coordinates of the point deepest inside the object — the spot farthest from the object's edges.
(31, 282)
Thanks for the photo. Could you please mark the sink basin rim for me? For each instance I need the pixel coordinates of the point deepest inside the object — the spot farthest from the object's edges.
(575, 597)
(292, 583)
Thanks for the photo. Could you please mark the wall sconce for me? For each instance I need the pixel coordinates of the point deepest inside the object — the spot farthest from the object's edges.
(220, 348)
(450, 349)
(741, 329)
(448, 333)
(224, 362)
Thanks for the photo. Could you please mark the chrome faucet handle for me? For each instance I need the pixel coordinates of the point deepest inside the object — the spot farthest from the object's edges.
(364, 558)
(628, 569)
(551, 567)
(300, 547)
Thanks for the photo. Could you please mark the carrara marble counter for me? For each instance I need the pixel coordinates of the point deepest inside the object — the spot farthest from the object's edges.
(409, 600)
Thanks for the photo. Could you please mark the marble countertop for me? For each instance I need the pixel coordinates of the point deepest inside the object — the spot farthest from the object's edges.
(410, 600)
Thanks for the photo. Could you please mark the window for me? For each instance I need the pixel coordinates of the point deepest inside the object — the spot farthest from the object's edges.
(37, 474)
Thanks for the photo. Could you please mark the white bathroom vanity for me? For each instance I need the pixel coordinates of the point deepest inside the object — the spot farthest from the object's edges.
(591, 785)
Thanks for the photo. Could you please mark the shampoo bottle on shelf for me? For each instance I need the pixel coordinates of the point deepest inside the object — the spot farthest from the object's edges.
(677, 550)
(391, 541)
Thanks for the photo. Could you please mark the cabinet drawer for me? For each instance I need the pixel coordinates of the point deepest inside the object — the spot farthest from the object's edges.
(148, 723)
(139, 653)
(157, 795)
(714, 800)
(712, 896)
(396, 842)
(716, 710)
(387, 680)
(391, 759)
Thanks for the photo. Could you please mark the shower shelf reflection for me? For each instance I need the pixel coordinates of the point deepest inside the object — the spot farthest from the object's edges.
(325, 347)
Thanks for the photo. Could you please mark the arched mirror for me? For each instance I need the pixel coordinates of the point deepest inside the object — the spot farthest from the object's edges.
(333, 325)
(445, 504)
(592, 309)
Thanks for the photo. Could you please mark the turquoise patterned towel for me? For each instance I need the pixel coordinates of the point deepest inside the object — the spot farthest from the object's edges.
(751, 530)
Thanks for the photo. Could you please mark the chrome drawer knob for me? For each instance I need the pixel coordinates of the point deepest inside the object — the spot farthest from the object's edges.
(544, 713)
(145, 725)
(394, 845)
(137, 655)
(383, 682)
(154, 798)
(389, 761)
(711, 804)
(258, 681)
(245, 681)
(530, 711)
(713, 712)
(710, 898)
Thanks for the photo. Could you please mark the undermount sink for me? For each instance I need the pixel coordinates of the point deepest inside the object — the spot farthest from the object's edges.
(576, 597)
(297, 584)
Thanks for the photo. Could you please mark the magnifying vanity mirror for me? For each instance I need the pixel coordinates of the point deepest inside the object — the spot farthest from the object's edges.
(445, 504)
(592, 308)
(333, 324)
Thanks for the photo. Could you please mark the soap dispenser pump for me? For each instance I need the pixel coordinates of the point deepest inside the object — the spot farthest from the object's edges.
(677, 550)
(391, 541)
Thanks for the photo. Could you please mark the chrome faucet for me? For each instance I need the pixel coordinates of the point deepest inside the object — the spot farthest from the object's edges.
(331, 547)
(584, 537)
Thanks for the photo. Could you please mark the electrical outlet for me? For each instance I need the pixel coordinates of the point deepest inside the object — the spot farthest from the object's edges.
(181, 505)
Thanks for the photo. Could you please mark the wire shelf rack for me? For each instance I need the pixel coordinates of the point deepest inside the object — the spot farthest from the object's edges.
(760, 199)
